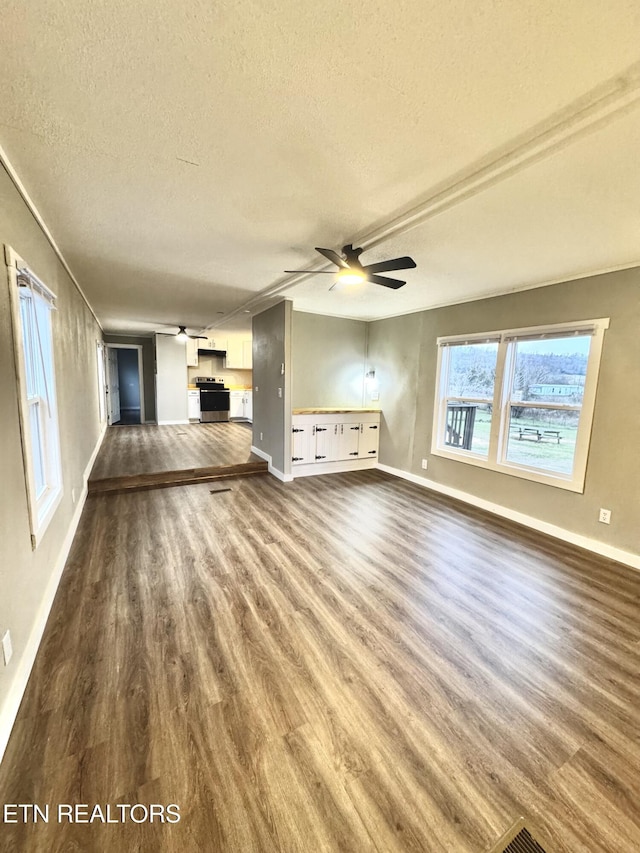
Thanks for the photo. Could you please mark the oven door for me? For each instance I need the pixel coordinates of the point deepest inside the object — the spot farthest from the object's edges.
(214, 406)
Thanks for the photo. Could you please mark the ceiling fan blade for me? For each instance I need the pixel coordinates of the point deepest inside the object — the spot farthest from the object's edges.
(197, 337)
(315, 272)
(394, 283)
(334, 257)
(404, 263)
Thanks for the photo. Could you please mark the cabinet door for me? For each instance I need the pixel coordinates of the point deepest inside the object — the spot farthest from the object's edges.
(327, 442)
(248, 405)
(234, 353)
(236, 404)
(369, 437)
(302, 445)
(193, 405)
(192, 353)
(247, 354)
(348, 439)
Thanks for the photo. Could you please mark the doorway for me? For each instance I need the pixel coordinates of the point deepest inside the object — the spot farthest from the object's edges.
(125, 387)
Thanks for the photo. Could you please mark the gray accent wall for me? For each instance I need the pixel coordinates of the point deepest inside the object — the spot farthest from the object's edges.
(272, 412)
(25, 575)
(148, 368)
(328, 357)
(403, 350)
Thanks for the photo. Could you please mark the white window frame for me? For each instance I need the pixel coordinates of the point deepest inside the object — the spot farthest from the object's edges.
(42, 507)
(498, 438)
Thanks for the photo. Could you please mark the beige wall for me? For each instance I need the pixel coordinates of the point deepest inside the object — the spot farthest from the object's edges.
(271, 412)
(328, 360)
(25, 574)
(403, 350)
(171, 380)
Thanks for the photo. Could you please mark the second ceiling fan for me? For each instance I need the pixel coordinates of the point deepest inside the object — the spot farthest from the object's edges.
(351, 271)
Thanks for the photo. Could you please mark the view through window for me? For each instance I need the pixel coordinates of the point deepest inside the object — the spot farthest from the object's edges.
(515, 400)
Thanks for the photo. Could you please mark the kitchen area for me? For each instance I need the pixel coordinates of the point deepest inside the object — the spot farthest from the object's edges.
(219, 379)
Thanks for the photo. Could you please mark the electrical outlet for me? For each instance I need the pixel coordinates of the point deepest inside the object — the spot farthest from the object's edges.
(73, 495)
(375, 395)
(605, 516)
(7, 648)
(279, 392)
(425, 464)
(260, 436)
(256, 389)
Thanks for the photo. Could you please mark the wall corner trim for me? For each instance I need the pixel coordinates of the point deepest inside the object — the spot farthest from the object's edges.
(43, 227)
(9, 710)
(285, 478)
(628, 558)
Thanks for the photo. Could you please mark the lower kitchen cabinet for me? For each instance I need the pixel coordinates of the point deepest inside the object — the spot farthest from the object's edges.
(241, 405)
(193, 405)
(326, 442)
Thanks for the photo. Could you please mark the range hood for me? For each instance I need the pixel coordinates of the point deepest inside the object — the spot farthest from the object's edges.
(216, 353)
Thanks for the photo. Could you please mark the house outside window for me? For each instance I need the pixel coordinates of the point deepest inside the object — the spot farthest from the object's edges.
(520, 401)
(32, 303)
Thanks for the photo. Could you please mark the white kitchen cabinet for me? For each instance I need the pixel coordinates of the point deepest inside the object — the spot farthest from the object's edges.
(368, 441)
(247, 353)
(241, 405)
(193, 405)
(212, 343)
(327, 437)
(348, 440)
(302, 445)
(236, 404)
(191, 348)
(323, 442)
(239, 355)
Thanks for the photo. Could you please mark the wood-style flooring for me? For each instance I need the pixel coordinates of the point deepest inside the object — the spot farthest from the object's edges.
(139, 458)
(146, 449)
(342, 663)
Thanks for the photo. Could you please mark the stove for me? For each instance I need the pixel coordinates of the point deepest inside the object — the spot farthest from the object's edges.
(214, 399)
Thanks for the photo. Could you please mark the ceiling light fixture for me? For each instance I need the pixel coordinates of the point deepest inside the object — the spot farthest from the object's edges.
(351, 276)
(182, 337)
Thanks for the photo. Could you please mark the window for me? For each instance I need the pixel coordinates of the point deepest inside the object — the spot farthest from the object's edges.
(32, 303)
(520, 401)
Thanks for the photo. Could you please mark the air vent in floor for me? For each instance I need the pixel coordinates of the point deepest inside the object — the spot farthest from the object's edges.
(519, 839)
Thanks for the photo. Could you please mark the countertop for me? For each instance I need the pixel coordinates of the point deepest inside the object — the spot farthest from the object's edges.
(331, 411)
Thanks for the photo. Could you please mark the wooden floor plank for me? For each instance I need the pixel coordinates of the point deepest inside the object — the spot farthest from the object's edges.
(341, 663)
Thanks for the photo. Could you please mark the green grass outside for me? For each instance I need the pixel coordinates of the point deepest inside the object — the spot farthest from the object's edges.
(547, 453)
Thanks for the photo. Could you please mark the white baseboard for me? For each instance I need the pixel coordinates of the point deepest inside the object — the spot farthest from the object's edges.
(172, 423)
(11, 705)
(286, 478)
(601, 548)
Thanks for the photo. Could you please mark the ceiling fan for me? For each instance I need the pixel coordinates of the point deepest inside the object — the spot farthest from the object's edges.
(351, 271)
(183, 337)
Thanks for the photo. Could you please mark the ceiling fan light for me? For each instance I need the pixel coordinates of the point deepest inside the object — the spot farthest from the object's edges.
(351, 276)
(182, 337)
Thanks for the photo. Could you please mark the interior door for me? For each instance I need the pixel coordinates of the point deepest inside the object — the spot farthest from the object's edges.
(113, 387)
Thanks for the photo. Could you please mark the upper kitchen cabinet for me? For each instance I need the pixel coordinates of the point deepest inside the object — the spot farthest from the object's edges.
(192, 353)
(239, 353)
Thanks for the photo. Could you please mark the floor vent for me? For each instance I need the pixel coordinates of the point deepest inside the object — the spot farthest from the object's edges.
(519, 839)
(217, 491)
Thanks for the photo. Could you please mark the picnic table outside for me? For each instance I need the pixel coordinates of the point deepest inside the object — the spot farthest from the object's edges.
(534, 434)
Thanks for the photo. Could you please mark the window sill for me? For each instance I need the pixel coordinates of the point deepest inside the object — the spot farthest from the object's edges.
(45, 512)
(535, 475)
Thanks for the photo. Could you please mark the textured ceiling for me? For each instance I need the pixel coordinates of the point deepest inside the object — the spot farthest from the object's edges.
(184, 155)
